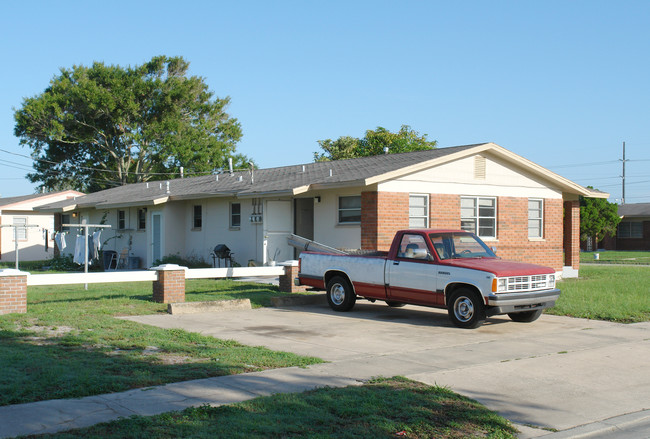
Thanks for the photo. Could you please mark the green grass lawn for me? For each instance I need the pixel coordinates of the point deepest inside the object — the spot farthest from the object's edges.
(382, 408)
(606, 292)
(616, 257)
(69, 343)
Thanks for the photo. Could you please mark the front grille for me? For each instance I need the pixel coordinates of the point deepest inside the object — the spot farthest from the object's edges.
(529, 283)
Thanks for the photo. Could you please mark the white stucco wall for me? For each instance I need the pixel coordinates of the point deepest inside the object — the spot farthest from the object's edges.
(33, 247)
(327, 230)
(458, 178)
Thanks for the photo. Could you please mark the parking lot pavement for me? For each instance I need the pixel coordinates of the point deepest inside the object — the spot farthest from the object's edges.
(557, 373)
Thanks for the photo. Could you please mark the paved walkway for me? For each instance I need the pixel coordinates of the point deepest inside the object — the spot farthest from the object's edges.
(573, 375)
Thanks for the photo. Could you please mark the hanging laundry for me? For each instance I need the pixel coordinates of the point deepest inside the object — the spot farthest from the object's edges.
(96, 244)
(59, 240)
(79, 245)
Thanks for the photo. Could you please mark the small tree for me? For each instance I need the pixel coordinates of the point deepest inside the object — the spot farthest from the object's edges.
(374, 142)
(598, 218)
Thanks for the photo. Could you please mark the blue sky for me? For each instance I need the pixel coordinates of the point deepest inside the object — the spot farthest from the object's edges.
(562, 83)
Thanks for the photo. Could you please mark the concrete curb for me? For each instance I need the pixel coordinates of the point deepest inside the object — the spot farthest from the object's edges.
(209, 306)
(298, 300)
(602, 428)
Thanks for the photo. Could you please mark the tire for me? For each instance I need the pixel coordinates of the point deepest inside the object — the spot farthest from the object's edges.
(466, 309)
(340, 295)
(394, 304)
(525, 316)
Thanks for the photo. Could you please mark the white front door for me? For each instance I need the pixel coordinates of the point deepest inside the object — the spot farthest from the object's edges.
(278, 225)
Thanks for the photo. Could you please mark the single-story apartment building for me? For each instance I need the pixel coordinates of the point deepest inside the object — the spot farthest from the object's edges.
(525, 211)
(633, 232)
(35, 240)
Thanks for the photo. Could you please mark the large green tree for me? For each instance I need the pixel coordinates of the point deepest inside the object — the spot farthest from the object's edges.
(598, 218)
(374, 142)
(101, 126)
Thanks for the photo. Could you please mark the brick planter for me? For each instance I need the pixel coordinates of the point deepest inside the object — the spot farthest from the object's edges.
(13, 291)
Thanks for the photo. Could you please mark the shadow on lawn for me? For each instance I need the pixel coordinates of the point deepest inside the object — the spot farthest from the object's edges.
(36, 368)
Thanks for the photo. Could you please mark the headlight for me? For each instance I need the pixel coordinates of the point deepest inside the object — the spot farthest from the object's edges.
(502, 285)
(551, 281)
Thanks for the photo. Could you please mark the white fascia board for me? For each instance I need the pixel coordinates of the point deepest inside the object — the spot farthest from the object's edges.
(68, 208)
(152, 202)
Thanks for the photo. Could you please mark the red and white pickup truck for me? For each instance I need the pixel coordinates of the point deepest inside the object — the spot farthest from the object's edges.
(449, 269)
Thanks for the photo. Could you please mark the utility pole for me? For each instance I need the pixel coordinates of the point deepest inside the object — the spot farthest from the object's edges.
(623, 176)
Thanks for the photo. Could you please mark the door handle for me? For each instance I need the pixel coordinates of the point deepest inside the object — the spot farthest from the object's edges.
(395, 262)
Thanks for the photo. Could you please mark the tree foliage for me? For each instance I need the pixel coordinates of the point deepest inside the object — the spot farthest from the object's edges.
(100, 126)
(598, 218)
(374, 142)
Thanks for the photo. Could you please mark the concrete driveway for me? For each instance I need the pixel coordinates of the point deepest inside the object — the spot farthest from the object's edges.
(557, 373)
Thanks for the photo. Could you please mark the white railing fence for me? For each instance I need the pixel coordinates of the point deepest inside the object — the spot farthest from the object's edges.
(150, 275)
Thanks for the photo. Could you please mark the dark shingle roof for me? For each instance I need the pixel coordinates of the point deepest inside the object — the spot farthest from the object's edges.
(283, 179)
(634, 210)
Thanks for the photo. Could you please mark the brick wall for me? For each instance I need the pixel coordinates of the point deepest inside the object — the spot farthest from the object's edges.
(444, 211)
(383, 213)
(170, 286)
(512, 233)
(13, 293)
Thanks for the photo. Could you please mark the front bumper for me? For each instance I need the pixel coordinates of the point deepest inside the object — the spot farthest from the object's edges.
(505, 303)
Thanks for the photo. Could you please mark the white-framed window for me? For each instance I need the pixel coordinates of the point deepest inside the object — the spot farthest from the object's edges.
(121, 219)
(418, 211)
(350, 209)
(197, 216)
(535, 218)
(21, 232)
(630, 229)
(479, 215)
(235, 215)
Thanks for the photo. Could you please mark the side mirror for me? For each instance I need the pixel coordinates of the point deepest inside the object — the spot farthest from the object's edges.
(494, 250)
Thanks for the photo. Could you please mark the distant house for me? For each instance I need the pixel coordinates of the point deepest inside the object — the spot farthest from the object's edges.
(525, 211)
(34, 243)
(633, 231)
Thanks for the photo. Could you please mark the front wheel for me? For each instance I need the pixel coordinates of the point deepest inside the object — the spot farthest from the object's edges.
(525, 316)
(466, 309)
(340, 295)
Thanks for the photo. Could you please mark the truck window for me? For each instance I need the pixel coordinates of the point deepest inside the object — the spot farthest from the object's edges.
(412, 247)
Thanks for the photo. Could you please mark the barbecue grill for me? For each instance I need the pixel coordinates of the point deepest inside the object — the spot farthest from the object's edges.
(220, 253)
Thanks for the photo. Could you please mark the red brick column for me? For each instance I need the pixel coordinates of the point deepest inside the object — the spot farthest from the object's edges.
(572, 234)
(170, 286)
(382, 214)
(286, 279)
(13, 291)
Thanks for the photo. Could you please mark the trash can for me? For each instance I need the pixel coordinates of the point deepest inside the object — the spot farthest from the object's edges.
(110, 255)
(133, 262)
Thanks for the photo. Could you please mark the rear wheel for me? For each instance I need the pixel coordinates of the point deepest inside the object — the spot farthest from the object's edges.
(339, 294)
(525, 316)
(466, 309)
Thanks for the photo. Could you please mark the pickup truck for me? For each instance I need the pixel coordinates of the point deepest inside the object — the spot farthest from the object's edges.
(450, 269)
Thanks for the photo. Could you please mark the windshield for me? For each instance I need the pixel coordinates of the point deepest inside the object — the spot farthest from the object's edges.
(459, 245)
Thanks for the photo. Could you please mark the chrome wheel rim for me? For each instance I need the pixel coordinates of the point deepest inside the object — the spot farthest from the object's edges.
(463, 309)
(337, 294)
